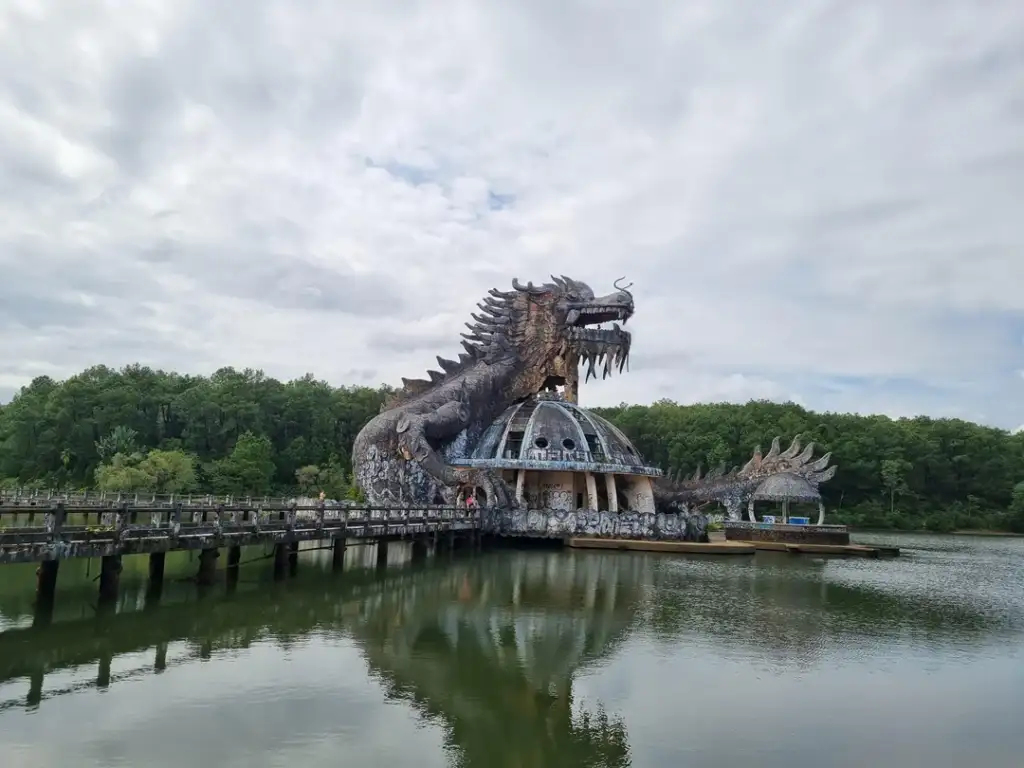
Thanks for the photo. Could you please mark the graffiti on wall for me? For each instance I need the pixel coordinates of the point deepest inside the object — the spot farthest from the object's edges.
(559, 523)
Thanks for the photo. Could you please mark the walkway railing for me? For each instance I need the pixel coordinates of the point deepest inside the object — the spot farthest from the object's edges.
(88, 528)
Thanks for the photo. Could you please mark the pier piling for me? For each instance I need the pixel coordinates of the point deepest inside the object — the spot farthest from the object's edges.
(156, 573)
(234, 558)
(280, 561)
(338, 553)
(110, 577)
(419, 549)
(207, 574)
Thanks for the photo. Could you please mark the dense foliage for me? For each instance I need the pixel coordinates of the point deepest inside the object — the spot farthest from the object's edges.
(908, 474)
(244, 433)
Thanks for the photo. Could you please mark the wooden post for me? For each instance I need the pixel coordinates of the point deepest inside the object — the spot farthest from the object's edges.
(280, 561)
(35, 688)
(207, 574)
(103, 675)
(156, 574)
(160, 663)
(46, 583)
(110, 576)
(293, 558)
(234, 558)
(419, 549)
(382, 553)
(338, 553)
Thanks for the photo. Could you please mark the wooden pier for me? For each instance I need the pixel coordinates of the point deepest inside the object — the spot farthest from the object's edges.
(48, 530)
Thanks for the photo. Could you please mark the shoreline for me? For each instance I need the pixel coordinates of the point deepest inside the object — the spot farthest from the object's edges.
(1000, 534)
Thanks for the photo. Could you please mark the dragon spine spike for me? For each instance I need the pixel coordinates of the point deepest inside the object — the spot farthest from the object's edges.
(775, 450)
(821, 477)
(436, 377)
(805, 455)
(820, 464)
(793, 450)
(448, 366)
(753, 463)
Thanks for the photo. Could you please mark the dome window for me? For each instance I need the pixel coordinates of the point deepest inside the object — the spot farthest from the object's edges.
(541, 442)
(568, 444)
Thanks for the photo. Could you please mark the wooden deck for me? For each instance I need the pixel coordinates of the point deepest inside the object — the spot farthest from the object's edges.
(641, 545)
(723, 547)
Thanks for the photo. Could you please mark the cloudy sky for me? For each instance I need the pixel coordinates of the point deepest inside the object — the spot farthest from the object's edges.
(814, 199)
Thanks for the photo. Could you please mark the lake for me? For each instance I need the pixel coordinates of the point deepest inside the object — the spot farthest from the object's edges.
(529, 658)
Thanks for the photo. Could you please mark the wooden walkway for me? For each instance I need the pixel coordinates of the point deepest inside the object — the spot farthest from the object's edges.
(34, 533)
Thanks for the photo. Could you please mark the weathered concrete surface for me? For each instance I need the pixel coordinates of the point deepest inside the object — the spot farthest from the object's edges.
(560, 523)
(787, 534)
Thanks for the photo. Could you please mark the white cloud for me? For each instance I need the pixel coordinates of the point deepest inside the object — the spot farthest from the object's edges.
(803, 195)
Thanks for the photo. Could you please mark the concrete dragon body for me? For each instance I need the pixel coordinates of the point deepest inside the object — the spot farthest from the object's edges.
(526, 339)
(734, 488)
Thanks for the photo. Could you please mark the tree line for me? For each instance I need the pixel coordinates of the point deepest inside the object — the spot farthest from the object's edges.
(244, 433)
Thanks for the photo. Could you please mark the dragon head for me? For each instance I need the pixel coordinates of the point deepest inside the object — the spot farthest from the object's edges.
(556, 326)
(546, 331)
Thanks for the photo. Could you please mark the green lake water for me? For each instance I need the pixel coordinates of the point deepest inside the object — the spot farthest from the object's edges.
(529, 658)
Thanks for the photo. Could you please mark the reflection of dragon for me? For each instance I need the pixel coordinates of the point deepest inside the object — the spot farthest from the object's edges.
(735, 487)
(525, 340)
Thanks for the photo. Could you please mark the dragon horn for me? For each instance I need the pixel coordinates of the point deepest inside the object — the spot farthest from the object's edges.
(528, 288)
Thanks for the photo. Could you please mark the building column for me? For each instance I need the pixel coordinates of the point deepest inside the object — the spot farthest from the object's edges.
(591, 491)
(613, 498)
(520, 484)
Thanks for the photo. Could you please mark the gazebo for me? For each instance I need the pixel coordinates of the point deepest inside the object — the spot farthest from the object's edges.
(787, 488)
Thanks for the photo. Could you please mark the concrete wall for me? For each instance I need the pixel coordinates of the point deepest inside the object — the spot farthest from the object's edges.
(788, 534)
(550, 490)
(639, 492)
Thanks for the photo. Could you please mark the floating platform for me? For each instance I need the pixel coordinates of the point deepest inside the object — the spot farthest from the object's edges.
(733, 547)
(641, 545)
(849, 550)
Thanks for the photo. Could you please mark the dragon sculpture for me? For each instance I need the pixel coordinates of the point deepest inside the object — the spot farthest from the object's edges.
(734, 488)
(525, 340)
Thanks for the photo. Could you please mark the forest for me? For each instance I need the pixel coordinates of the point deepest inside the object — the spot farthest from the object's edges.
(245, 433)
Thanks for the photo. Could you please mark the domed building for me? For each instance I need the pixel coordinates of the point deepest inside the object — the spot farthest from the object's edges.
(559, 456)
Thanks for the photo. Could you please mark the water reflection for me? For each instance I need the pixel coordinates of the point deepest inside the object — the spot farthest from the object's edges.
(500, 654)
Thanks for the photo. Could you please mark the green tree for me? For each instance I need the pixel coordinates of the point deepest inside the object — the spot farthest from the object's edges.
(892, 479)
(123, 474)
(120, 440)
(1017, 509)
(158, 471)
(249, 469)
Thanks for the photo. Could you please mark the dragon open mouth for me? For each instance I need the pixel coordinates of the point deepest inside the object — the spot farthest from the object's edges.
(598, 344)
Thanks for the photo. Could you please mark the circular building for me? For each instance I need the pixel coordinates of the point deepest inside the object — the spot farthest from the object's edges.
(559, 456)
